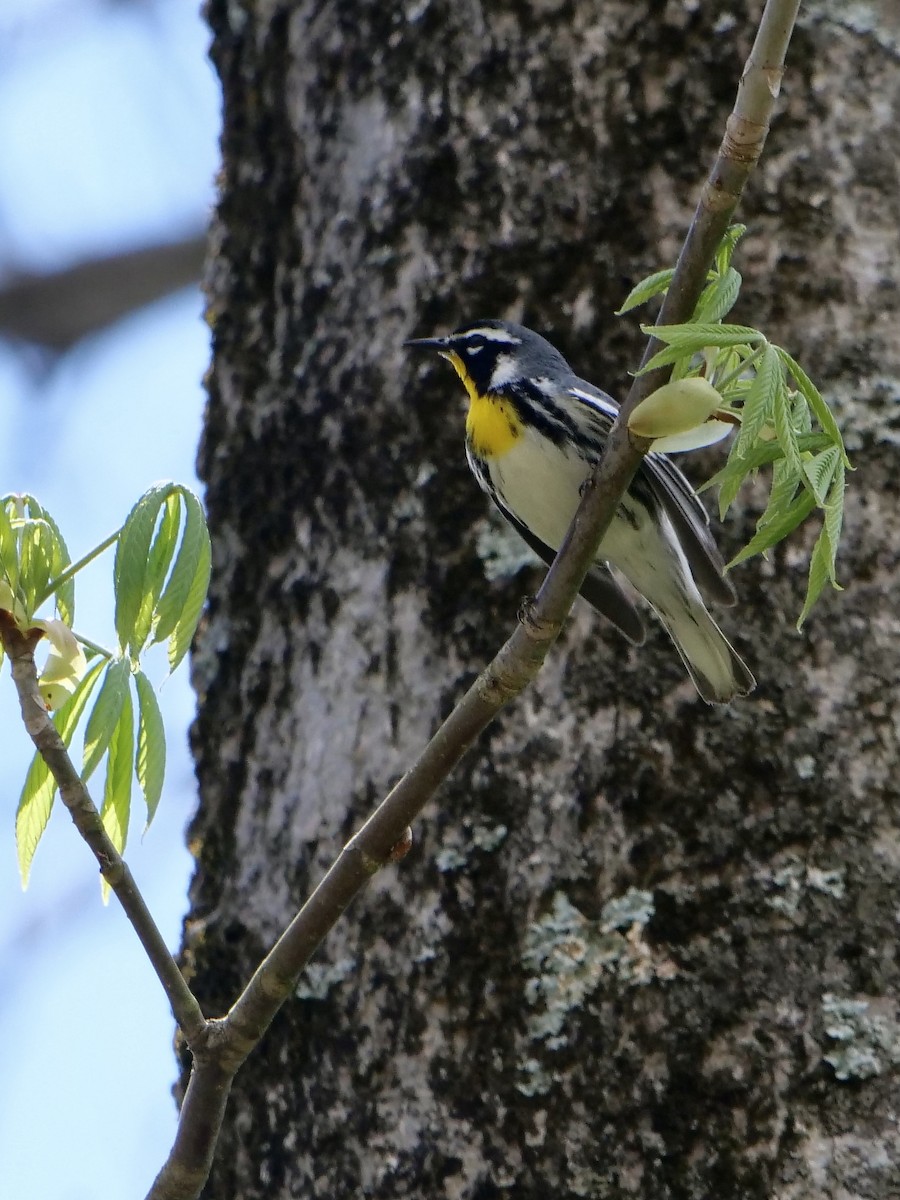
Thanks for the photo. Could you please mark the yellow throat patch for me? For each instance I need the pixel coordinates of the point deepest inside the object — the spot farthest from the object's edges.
(492, 425)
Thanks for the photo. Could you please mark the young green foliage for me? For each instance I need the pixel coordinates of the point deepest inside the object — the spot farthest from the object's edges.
(782, 417)
(32, 554)
(156, 600)
(39, 791)
(161, 576)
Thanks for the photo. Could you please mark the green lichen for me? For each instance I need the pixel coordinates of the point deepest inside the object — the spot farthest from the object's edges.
(485, 838)
(864, 1043)
(861, 18)
(567, 957)
(501, 550)
(790, 883)
(318, 979)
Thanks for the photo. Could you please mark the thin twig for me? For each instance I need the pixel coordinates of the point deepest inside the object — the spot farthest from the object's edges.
(521, 657)
(20, 647)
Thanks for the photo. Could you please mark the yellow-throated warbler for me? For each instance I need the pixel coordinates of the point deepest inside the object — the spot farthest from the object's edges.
(534, 431)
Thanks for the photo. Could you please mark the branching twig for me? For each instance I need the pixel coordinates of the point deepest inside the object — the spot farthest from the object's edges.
(20, 647)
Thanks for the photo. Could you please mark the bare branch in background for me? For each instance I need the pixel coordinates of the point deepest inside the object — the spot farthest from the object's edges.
(58, 309)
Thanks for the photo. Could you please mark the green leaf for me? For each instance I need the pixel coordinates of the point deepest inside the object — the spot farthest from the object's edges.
(36, 551)
(819, 472)
(802, 413)
(116, 808)
(777, 528)
(698, 334)
(834, 512)
(683, 341)
(759, 402)
(65, 593)
(761, 455)
(9, 546)
(719, 298)
(819, 568)
(43, 555)
(105, 715)
(158, 562)
(784, 426)
(813, 397)
(822, 562)
(150, 761)
(652, 286)
(180, 605)
(39, 791)
(786, 481)
(727, 246)
(132, 563)
(729, 481)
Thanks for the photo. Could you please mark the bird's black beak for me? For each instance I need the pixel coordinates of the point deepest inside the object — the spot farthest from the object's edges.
(436, 343)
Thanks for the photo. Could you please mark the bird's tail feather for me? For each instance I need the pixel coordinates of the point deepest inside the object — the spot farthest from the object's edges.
(717, 670)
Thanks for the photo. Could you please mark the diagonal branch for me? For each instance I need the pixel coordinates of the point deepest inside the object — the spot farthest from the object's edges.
(385, 836)
(20, 647)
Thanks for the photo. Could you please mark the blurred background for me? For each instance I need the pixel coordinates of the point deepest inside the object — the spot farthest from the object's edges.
(108, 124)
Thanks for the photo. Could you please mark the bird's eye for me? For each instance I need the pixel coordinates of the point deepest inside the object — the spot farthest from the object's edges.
(476, 349)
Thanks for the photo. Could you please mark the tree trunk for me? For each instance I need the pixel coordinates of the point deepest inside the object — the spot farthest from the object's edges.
(630, 951)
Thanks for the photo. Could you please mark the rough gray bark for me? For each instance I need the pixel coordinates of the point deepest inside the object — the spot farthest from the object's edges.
(486, 1022)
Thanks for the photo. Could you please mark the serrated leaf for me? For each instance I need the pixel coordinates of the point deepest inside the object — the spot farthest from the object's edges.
(759, 401)
(727, 246)
(820, 565)
(159, 560)
(834, 510)
(105, 715)
(186, 624)
(39, 790)
(150, 760)
(703, 334)
(761, 455)
(684, 341)
(116, 808)
(652, 285)
(9, 548)
(35, 557)
(813, 397)
(719, 299)
(58, 560)
(64, 595)
(784, 426)
(802, 413)
(785, 483)
(729, 481)
(132, 560)
(178, 585)
(819, 472)
(777, 528)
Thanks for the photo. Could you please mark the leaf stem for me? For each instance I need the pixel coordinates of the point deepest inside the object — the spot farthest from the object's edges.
(739, 370)
(74, 568)
(94, 646)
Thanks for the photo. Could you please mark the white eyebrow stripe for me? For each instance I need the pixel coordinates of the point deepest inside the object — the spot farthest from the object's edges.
(493, 335)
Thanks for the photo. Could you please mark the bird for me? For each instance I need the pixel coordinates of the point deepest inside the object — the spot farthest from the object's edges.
(534, 432)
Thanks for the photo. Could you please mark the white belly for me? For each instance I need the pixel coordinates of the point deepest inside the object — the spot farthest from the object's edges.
(541, 484)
